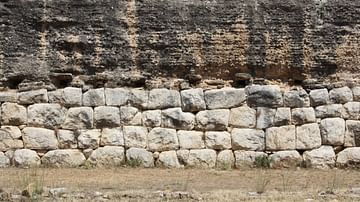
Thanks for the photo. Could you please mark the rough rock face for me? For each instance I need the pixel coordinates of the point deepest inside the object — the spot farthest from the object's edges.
(107, 41)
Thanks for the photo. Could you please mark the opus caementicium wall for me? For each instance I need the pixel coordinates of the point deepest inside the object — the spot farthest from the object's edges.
(189, 128)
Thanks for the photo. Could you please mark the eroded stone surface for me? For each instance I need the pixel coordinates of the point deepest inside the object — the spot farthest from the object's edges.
(39, 138)
(112, 137)
(168, 159)
(349, 157)
(225, 160)
(63, 158)
(105, 116)
(116, 96)
(177, 119)
(191, 139)
(303, 115)
(107, 156)
(282, 116)
(202, 158)
(218, 140)
(331, 110)
(296, 98)
(286, 159)
(265, 117)
(242, 117)
(264, 96)
(79, 118)
(216, 119)
(280, 138)
(308, 136)
(341, 95)
(67, 139)
(89, 139)
(352, 134)
(193, 100)
(46, 115)
(94, 97)
(130, 116)
(244, 159)
(13, 114)
(224, 98)
(135, 136)
(323, 157)
(319, 97)
(144, 157)
(163, 98)
(34, 96)
(151, 118)
(248, 139)
(332, 131)
(162, 139)
(26, 158)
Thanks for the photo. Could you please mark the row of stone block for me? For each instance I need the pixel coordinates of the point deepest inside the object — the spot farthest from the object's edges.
(323, 157)
(189, 100)
(330, 131)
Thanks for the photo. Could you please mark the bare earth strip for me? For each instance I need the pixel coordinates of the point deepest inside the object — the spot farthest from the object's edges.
(135, 184)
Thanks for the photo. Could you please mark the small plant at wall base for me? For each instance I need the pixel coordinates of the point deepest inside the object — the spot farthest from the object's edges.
(136, 162)
(32, 184)
(262, 162)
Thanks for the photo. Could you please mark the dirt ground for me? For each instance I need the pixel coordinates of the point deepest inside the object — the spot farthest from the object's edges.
(135, 184)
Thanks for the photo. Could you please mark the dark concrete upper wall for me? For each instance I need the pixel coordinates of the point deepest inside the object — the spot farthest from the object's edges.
(279, 39)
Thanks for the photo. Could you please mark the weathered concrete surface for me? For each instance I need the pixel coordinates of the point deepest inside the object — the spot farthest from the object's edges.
(107, 41)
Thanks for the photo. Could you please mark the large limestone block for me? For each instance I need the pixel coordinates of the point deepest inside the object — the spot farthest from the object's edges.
(349, 157)
(69, 97)
(13, 114)
(332, 131)
(4, 161)
(286, 159)
(308, 136)
(183, 156)
(352, 110)
(8, 96)
(242, 117)
(356, 93)
(282, 116)
(117, 96)
(224, 98)
(323, 157)
(352, 134)
(330, 110)
(63, 158)
(216, 119)
(107, 156)
(265, 117)
(202, 158)
(46, 115)
(151, 118)
(89, 139)
(176, 118)
(162, 139)
(141, 155)
(163, 98)
(135, 136)
(67, 139)
(341, 95)
(280, 138)
(106, 117)
(264, 96)
(13, 131)
(39, 138)
(245, 159)
(130, 116)
(225, 160)
(34, 96)
(301, 116)
(72, 96)
(25, 158)
(79, 118)
(319, 97)
(168, 159)
(218, 140)
(94, 97)
(248, 139)
(112, 137)
(191, 139)
(296, 98)
(193, 100)
(139, 98)
(10, 144)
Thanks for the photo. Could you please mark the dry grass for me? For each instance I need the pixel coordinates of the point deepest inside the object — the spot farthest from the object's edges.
(135, 184)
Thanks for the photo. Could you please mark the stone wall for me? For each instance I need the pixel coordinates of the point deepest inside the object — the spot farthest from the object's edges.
(204, 128)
